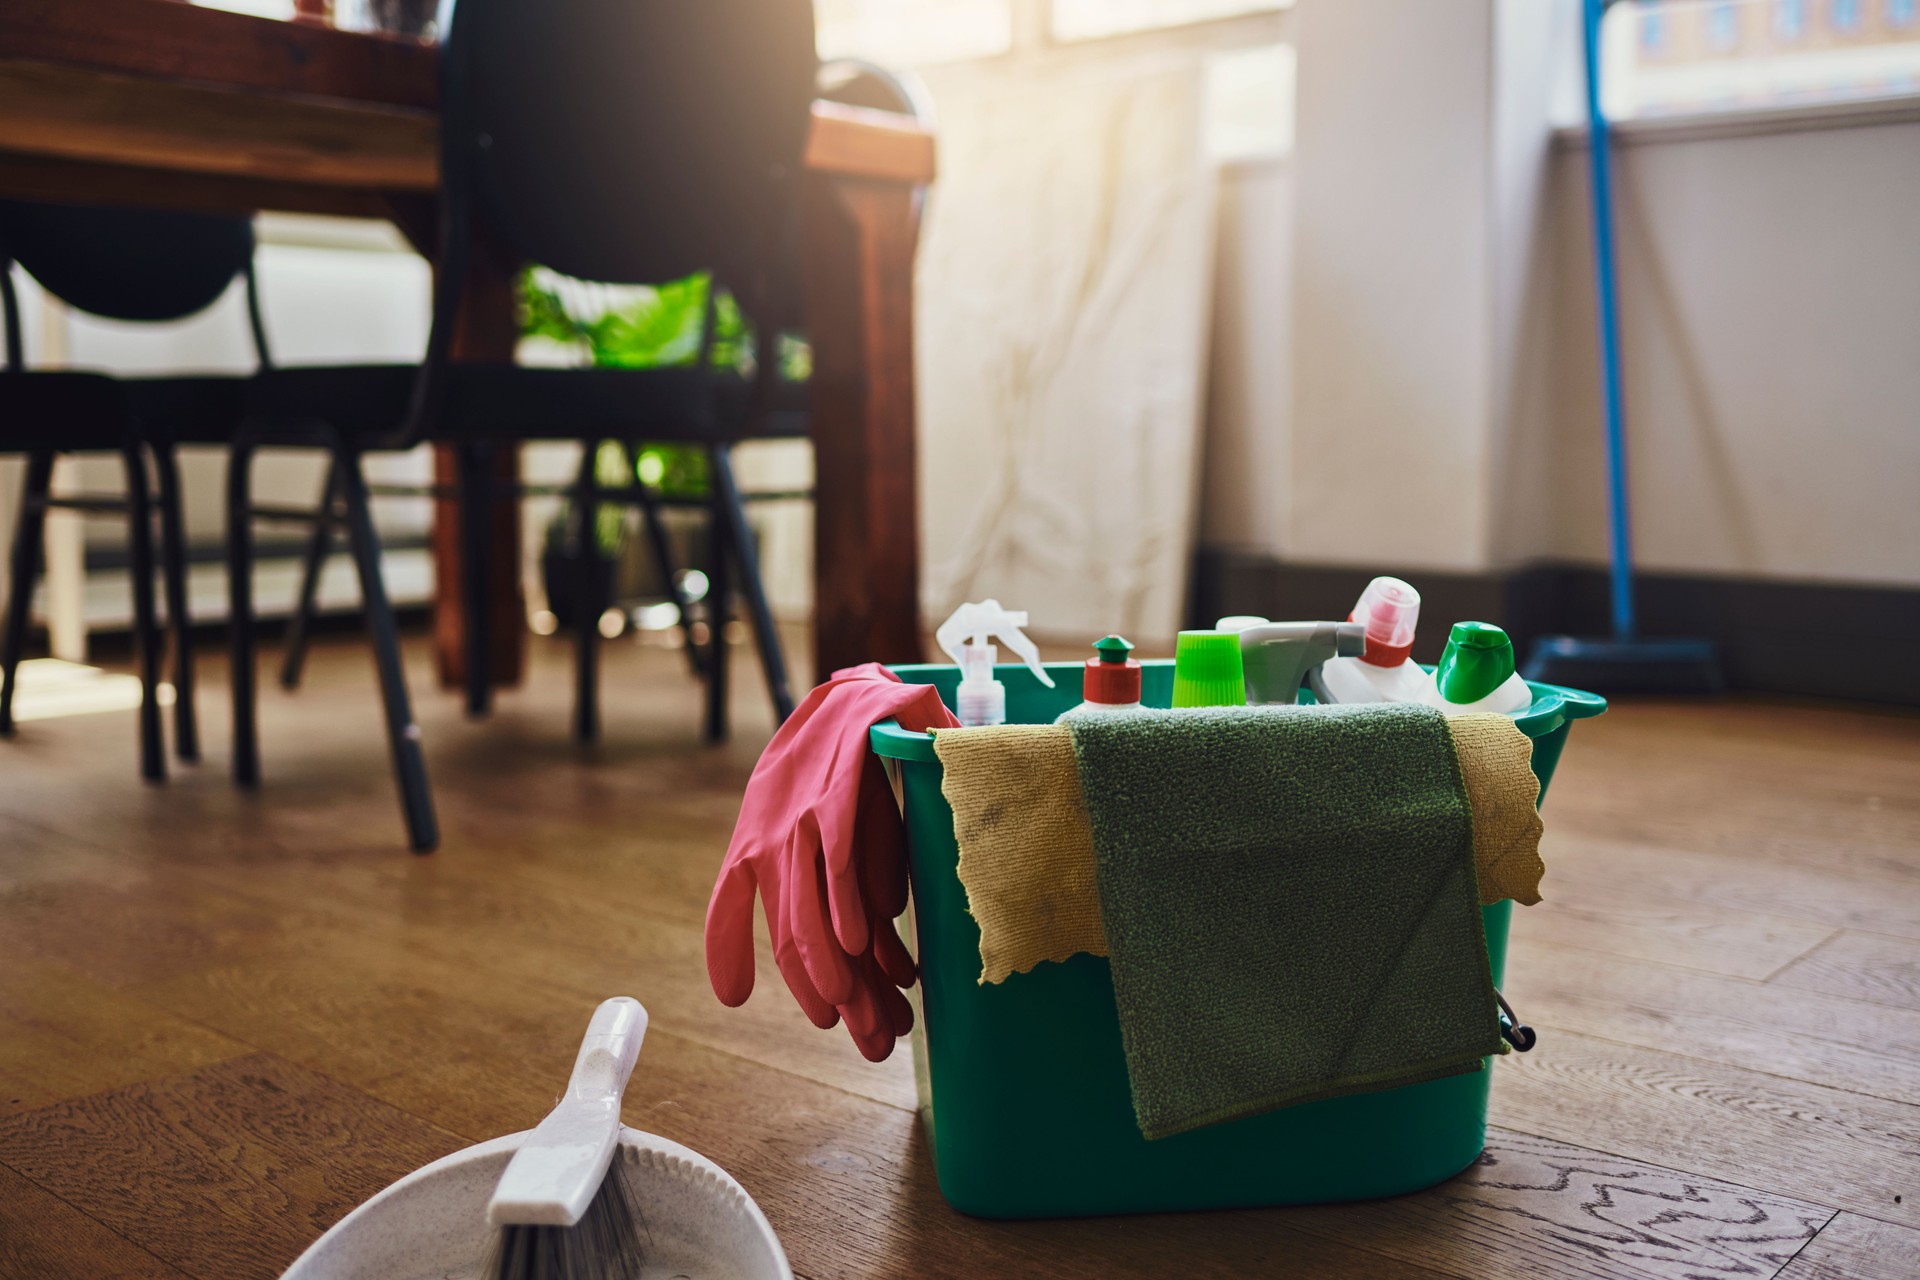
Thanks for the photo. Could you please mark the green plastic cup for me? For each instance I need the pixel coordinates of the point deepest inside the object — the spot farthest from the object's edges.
(1207, 670)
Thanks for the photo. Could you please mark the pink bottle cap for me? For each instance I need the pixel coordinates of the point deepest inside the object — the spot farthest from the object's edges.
(1390, 609)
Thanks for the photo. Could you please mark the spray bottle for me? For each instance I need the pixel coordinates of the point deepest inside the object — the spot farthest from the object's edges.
(1386, 672)
(1476, 673)
(1239, 622)
(1279, 656)
(1111, 681)
(968, 638)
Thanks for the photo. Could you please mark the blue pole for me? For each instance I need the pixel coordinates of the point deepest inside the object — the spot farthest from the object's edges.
(1605, 288)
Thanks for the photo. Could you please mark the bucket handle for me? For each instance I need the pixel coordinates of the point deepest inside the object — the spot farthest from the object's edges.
(1512, 1030)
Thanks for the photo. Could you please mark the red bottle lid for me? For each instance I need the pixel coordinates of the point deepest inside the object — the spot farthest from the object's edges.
(1112, 677)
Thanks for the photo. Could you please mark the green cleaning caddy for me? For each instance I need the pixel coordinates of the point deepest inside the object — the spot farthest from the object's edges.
(1023, 1085)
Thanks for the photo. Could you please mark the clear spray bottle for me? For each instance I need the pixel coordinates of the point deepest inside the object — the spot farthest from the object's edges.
(967, 637)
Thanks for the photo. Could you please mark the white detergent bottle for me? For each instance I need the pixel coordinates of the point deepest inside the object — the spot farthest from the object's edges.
(967, 637)
(1476, 673)
(1386, 672)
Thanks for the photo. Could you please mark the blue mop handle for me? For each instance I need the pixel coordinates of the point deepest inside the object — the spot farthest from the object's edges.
(1605, 287)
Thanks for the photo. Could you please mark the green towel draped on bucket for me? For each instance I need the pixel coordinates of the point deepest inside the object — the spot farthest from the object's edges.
(1289, 903)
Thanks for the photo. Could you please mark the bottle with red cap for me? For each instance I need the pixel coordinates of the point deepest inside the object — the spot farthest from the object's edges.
(1110, 682)
(1386, 671)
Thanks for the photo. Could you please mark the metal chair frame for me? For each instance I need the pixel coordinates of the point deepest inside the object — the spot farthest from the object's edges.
(141, 505)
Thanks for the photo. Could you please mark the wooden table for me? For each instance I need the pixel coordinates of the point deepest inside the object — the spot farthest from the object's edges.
(162, 104)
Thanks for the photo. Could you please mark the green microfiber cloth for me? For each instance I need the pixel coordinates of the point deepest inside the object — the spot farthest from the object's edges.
(1289, 902)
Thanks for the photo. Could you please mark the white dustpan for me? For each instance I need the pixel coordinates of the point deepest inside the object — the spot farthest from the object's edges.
(433, 1225)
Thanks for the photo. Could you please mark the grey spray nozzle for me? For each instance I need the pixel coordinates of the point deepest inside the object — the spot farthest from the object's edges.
(1278, 656)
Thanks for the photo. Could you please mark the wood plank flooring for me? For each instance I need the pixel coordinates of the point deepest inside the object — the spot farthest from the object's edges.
(225, 1019)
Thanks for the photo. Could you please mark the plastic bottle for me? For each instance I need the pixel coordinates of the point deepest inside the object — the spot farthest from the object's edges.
(1280, 656)
(1389, 609)
(1476, 673)
(967, 637)
(1239, 622)
(1111, 681)
(1207, 670)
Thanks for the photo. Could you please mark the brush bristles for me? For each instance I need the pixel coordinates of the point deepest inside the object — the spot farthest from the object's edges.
(608, 1243)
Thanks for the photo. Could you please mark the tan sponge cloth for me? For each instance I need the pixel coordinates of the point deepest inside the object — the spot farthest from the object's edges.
(1026, 851)
(1496, 761)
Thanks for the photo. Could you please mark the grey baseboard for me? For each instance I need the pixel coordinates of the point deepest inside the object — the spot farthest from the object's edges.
(1831, 640)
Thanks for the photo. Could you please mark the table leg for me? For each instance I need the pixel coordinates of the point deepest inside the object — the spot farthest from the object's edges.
(860, 238)
(487, 331)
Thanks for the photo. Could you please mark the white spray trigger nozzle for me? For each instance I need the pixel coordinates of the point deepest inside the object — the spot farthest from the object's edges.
(979, 624)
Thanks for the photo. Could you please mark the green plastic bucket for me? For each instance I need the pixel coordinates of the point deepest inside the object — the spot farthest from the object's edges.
(1023, 1087)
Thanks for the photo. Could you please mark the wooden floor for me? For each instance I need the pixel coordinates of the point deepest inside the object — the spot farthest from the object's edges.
(226, 1019)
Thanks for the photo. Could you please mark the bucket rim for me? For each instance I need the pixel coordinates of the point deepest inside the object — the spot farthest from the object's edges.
(1553, 706)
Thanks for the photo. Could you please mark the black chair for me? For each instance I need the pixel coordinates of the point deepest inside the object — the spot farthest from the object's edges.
(329, 518)
(860, 83)
(854, 82)
(134, 265)
(630, 143)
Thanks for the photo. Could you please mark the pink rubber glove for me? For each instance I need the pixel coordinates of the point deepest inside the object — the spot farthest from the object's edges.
(819, 839)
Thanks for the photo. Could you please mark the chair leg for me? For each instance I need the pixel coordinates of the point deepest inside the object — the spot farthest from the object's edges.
(719, 604)
(766, 637)
(586, 664)
(246, 741)
(403, 734)
(663, 564)
(153, 750)
(29, 534)
(173, 554)
(476, 507)
(313, 563)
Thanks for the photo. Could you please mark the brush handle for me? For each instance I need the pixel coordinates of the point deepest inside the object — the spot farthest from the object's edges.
(607, 1054)
(560, 1165)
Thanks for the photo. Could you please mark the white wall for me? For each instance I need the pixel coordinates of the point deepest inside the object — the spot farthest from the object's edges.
(1062, 321)
(1393, 319)
(1535, 60)
(1445, 405)
(1771, 333)
(1064, 280)
(1249, 420)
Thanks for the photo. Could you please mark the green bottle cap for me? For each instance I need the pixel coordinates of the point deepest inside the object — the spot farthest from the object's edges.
(1112, 649)
(1207, 670)
(1477, 660)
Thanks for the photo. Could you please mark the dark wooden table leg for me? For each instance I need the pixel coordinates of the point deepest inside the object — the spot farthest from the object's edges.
(859, 284)
(487, 331)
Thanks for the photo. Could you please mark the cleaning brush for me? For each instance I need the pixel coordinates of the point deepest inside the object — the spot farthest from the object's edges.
(563, 1207)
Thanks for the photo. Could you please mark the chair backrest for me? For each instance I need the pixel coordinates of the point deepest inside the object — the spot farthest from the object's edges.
(627, 141)
(128, 264)
(131, 264)
(860, 83)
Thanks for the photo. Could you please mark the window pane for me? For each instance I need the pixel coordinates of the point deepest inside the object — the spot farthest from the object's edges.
(1664, 56)
(1249, 102)
(1091, 19)
(281, 9)
(907, 33)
